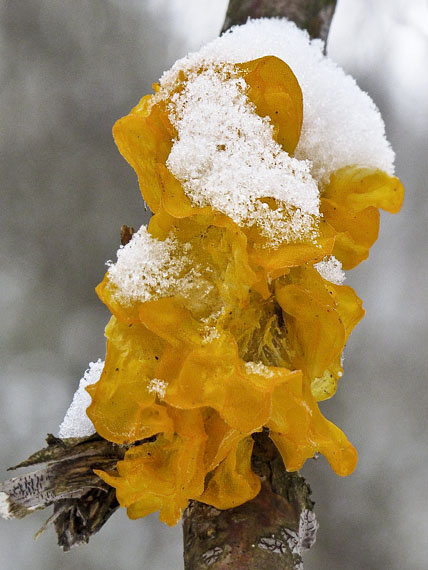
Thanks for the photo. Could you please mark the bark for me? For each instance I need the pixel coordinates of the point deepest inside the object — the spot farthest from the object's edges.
(126, 233)
(312, 15)
(65, 479)
(270, 532)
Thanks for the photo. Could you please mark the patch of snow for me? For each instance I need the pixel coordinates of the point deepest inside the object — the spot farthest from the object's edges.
(148, 268)
(76, 423)
(235, 161)
(258, 368)
(331, 270)
(211, 333)
(158, 387)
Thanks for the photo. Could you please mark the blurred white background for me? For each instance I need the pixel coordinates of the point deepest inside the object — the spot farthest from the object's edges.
(68, 71)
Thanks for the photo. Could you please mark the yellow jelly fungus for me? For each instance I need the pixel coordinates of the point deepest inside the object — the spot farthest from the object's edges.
(261, 350)
(350, 203)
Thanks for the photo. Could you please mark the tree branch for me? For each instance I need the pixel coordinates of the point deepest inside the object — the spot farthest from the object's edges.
(271, 531)
(312, 15)
(65, 479)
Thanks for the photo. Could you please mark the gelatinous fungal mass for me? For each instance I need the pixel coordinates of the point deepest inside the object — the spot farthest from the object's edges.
(265, 167)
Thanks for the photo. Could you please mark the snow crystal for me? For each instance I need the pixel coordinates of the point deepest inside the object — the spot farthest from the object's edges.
(4, 506)
(76, 423)
(158, 387)
(210, 335)
(211, 332)
(331, 270)
(148, 268)
(341, 124)
(145, 266)
(258, 368)
(235, 162)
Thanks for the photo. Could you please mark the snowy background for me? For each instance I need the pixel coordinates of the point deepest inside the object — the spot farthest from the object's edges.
(68, 71)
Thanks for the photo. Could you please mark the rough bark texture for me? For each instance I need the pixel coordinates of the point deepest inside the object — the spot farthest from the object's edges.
(82, 501)
(126, 233)
(312, 15)
(270, 532)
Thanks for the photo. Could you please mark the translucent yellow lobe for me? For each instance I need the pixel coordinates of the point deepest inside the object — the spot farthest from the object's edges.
(350, 203)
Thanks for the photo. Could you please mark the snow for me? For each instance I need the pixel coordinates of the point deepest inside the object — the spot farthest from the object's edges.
(331, 270)
(235, 162)
(258, 368)
(76, 423)
(158, 387)
(341, 124)
(148, 268)
(211, 333)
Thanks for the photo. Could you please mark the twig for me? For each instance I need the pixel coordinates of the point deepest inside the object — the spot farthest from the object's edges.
(65, 479)
(312, 15)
